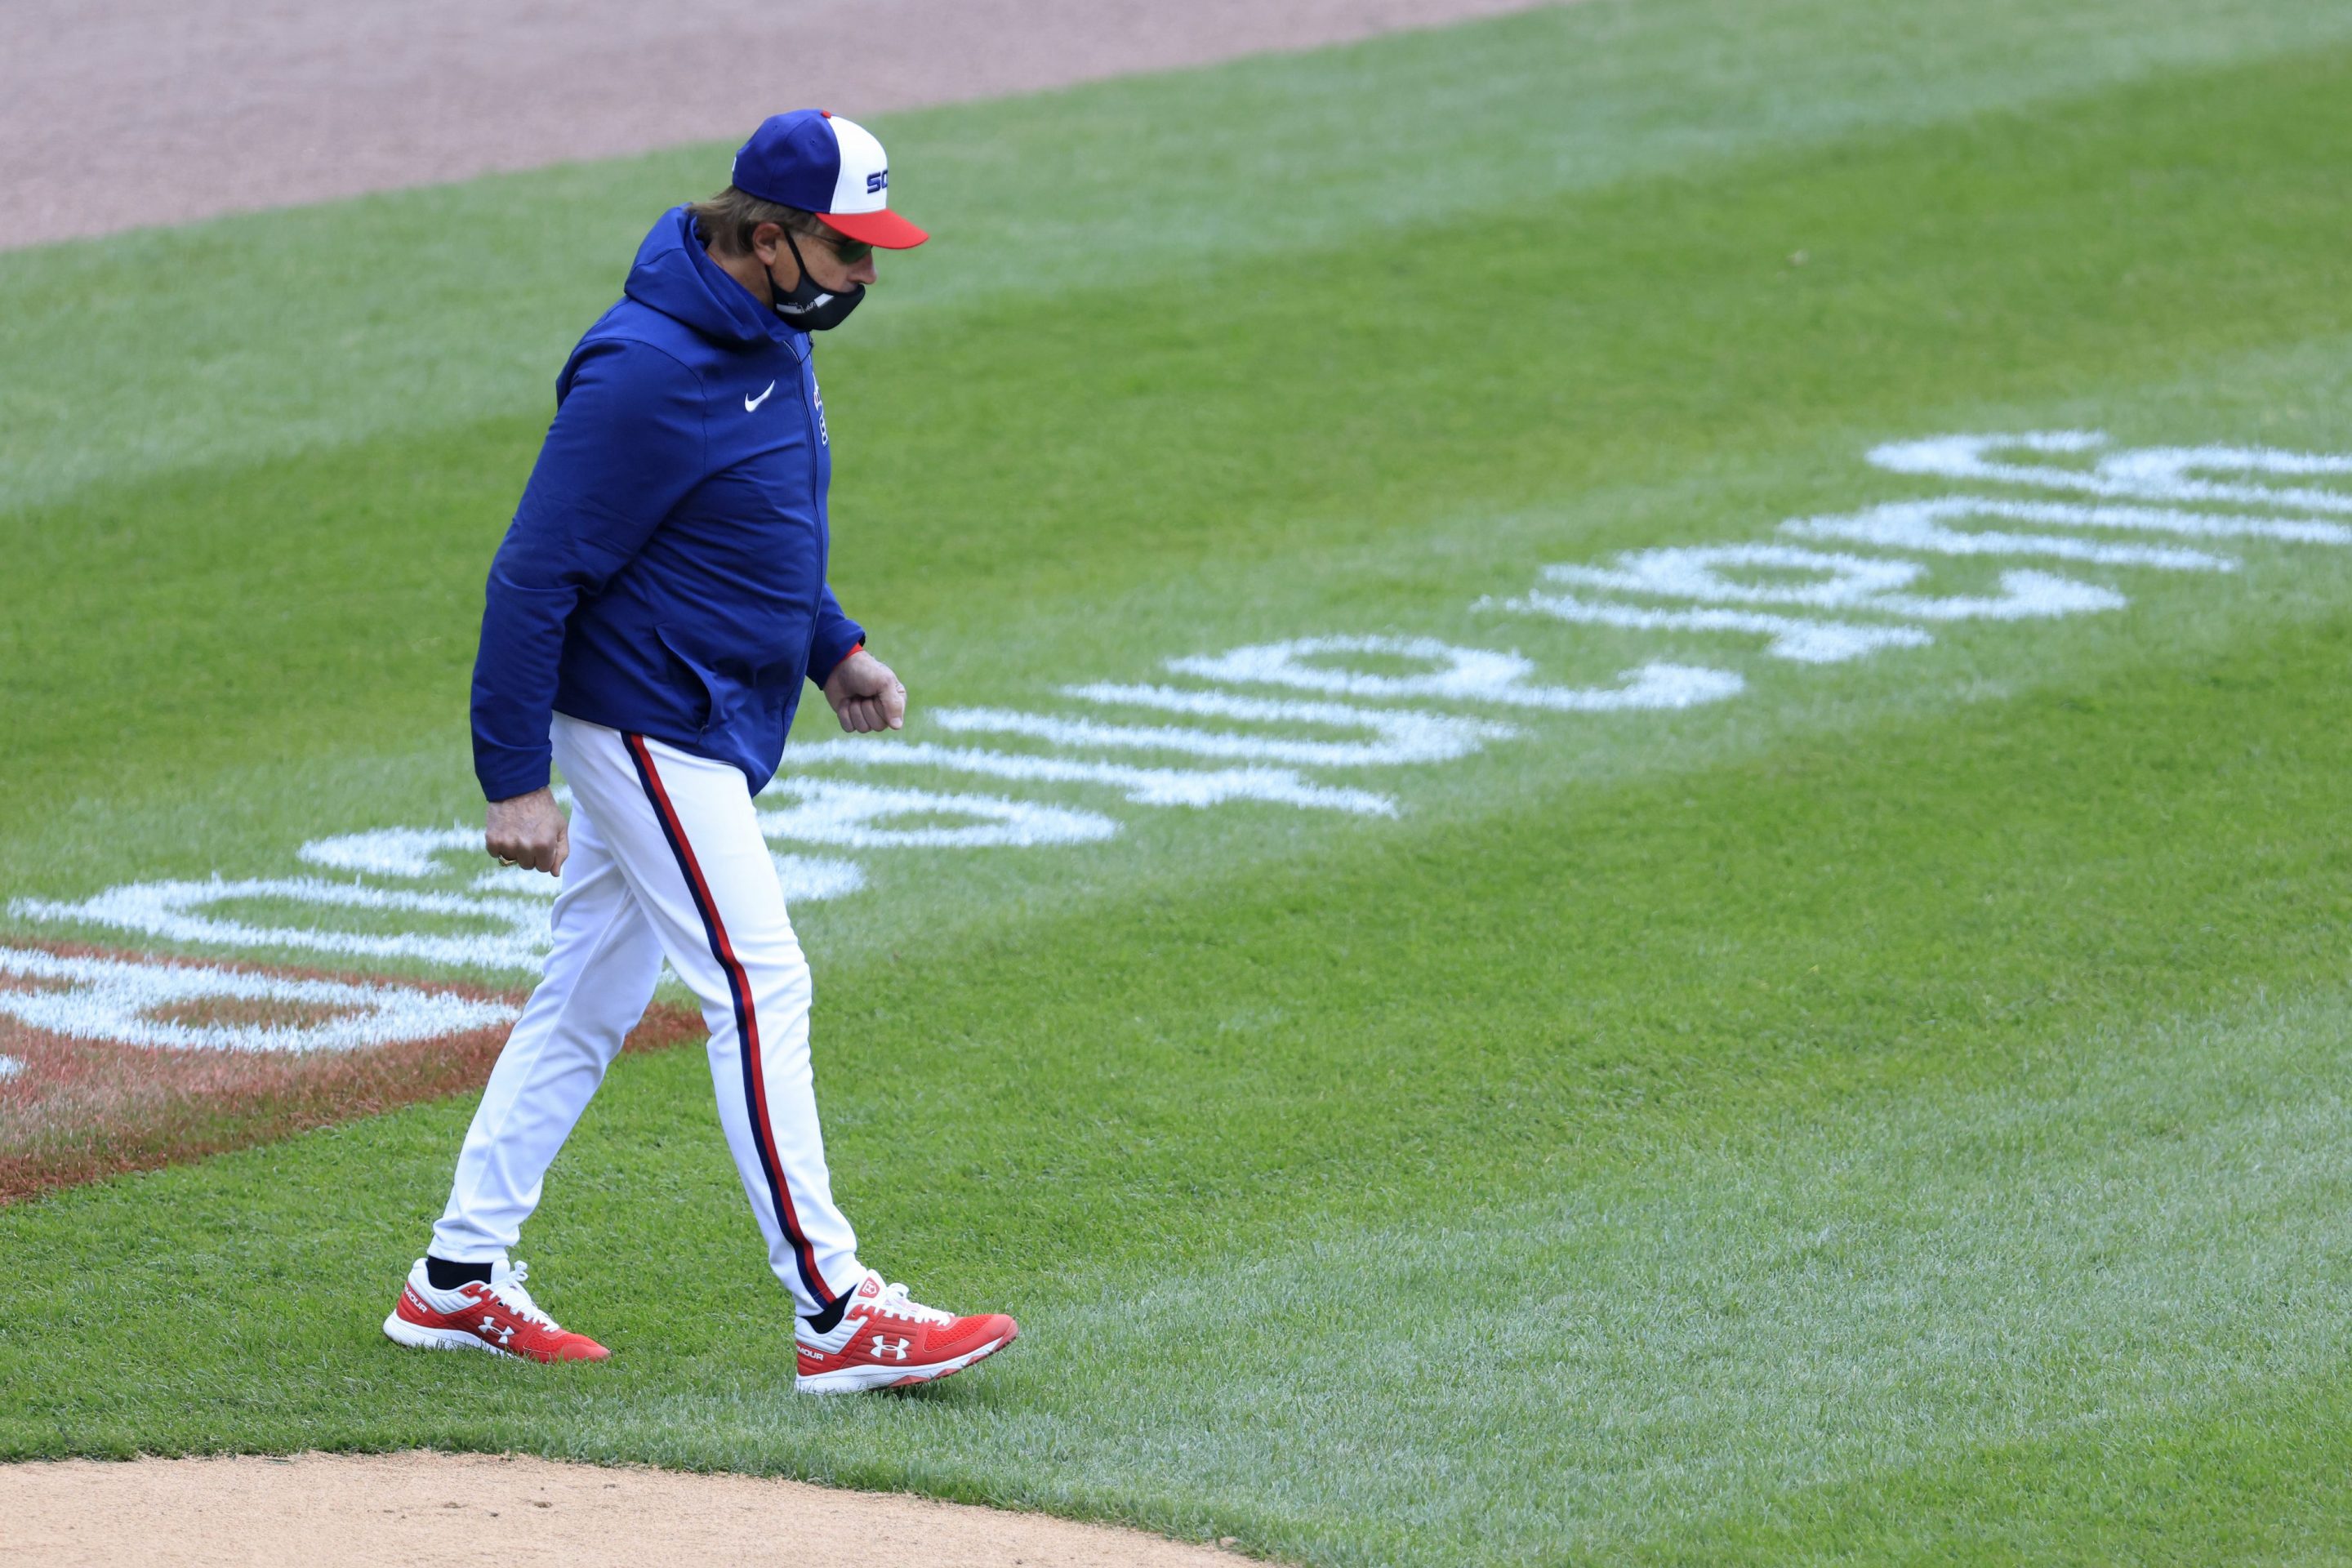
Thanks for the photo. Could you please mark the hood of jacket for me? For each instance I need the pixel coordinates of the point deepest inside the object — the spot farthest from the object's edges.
(673, 274)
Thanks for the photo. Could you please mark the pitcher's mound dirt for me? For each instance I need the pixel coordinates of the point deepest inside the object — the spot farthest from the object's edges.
(334, 1510)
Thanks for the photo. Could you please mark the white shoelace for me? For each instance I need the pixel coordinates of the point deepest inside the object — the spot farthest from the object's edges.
(894, 1302)
(518, 1301)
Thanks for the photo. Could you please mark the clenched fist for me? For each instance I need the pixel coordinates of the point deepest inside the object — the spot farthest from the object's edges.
(864, 695)
(529, 831)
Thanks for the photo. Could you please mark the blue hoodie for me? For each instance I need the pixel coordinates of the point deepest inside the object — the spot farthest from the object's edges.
(665, 571)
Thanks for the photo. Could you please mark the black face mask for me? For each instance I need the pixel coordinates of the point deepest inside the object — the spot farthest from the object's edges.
(806, 306)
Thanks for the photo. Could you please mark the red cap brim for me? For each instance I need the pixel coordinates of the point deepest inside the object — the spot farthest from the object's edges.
(885, 230)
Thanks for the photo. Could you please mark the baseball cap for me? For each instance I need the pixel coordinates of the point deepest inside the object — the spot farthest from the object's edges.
(821, 163)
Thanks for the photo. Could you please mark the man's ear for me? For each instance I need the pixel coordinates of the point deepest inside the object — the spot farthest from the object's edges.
(768, 243)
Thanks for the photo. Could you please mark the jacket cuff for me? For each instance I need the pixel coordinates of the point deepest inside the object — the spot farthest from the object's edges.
(516, 772)
(821, 668)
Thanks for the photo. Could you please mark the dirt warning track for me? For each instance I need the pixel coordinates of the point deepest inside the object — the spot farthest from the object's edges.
(158, 111)
(391, 1511)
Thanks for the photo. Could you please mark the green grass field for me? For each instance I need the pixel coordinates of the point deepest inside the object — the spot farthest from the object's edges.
(1896, 1112)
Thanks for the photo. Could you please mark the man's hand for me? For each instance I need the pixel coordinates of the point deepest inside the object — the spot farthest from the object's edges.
(529, 831)
(864, 695)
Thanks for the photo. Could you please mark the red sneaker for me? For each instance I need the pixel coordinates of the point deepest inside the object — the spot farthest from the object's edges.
(886, 1341)
(499, 1316)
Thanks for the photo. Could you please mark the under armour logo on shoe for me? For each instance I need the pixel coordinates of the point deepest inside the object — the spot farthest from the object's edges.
(896, 1349)
(490, 1327)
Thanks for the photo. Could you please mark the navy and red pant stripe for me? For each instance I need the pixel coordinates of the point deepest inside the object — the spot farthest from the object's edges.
(747, 1017)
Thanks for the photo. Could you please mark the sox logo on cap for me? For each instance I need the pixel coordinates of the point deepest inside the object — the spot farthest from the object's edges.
(825, 164)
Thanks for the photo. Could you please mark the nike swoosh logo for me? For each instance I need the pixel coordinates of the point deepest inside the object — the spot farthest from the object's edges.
(751, 404)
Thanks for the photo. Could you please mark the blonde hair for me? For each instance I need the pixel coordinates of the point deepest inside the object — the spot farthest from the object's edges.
(727, 220)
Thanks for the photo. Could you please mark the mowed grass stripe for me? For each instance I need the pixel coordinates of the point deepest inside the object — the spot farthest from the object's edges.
(1921, 1085)
(416, 311)
(1095, 486)
(2246, 1479)
(1659, 1156)
(1839, 1298)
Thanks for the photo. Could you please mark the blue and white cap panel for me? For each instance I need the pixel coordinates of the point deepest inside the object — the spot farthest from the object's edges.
(823, 163)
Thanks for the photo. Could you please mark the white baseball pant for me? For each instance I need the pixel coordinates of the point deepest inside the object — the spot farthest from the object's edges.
(667, 859)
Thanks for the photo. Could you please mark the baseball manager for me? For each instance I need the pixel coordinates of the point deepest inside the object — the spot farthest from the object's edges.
(657, 601)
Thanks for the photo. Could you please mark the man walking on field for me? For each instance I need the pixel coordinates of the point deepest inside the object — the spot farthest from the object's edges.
(658, 599)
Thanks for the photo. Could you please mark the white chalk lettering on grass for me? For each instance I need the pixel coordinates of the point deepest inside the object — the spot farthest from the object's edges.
(176, 911)
(813, 878)
(135, 1003)
(1143, 786)
(2145, 473)
(1401, 735)
(510, 900)
(1826, 579)
(1466, 674)
(2125, 519)
(394, 851)
(416, 852)
(1360, 701)
(1792, 638)
(859, 816)
(1926, 526)
(805, 878)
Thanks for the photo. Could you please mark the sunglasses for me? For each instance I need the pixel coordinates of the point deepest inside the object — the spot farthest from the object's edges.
(850, 251)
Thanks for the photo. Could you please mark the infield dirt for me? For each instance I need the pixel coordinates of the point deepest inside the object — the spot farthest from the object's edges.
(365, 1509)
(156, 111)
